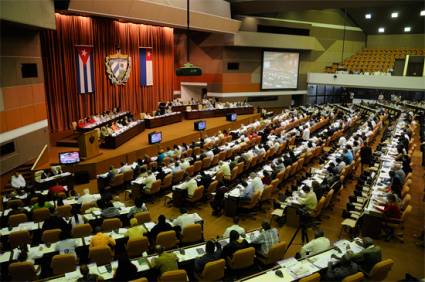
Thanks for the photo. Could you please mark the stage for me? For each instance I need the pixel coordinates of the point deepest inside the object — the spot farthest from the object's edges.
(138, 146)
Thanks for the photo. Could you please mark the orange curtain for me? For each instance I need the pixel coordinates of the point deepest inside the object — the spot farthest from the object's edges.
(59, 61)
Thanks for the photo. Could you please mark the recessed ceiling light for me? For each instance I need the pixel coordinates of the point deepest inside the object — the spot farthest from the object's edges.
(368, 16)
(423, 13)
(394, 15)
(381, 29)
(407, 29)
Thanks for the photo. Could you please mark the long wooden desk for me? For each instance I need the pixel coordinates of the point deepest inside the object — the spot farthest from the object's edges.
(195, 114)
(112, 142)
(100, 124)
(163, 120)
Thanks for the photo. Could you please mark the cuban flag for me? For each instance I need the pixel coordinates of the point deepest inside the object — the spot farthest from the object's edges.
(85, 73)
(146, 72)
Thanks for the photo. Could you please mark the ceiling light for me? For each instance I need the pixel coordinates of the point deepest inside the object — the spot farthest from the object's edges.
(381, 29)
(407, 29)
(423, 13)
(368, 16)
(394, 15)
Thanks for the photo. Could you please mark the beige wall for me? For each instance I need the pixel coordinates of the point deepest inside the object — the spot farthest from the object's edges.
(396, 41)
(22, 100)
(39, 13)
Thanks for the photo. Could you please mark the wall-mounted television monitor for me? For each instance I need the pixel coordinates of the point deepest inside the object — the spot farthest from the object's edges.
(69, 157)
(155, 137)
(279, 70)
(200, 125)
(231, 117)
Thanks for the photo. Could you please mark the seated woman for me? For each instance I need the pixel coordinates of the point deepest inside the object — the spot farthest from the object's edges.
(392, 212)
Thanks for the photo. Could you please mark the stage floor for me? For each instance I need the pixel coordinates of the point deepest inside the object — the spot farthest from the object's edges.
(138, 146)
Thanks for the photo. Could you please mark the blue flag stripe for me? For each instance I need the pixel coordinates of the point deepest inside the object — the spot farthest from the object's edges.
(142, 66)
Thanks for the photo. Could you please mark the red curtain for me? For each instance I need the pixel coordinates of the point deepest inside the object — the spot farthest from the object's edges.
(59, 61)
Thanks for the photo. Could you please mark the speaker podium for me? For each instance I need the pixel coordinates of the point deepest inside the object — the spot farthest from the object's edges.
(89, 145)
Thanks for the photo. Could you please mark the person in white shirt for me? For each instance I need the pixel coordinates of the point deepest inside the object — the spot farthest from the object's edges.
(235, 227)
(256, 182)
(148, 181)
(18, 181)
(183, 219)
(65, 245)
(306, 134)
(86, 198)
(190, 185)
(308, 199)
(225, 168)
(185, 164)
(342, 141)
(315, 246)
(125, 167)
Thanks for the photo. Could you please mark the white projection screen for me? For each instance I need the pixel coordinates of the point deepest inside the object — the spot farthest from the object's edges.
(279, 70)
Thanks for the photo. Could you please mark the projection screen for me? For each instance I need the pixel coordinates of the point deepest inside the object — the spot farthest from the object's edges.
(279, 70)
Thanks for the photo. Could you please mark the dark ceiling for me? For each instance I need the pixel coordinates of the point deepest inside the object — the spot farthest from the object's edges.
(409, 12)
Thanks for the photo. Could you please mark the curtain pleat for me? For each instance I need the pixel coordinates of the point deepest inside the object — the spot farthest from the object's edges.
(59, 62)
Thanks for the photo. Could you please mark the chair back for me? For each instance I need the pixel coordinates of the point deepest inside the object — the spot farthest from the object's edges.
(212, 187)
(234, 173)
(19, 238)
(243, 258)
(329, 196)
(274, 184)
(136, 247)
(110, 224)
(319, 207)
(81, 230)
(101, 255)
(143, 217)
(128, 175)
(267, 193)
(167, 181)
(276, 253)
(405, 202)
(254, 201)
(178, 275)
(15, 203)
(51, 236)
(190, 170)
(156, 187)
(315, 277)
(63, 263)
(213, 270)
(357, 277)
(191, 233)
(380, 270)
(22, 271)
(406, 213)
(178, 176)
(143, 279)
(219, 176)
(117, 180)
(87, 206)
(16, 219)
(197, 194)
(167, 239)
(64, 211)
(197, 166)
(40, 214)
(206, 162)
